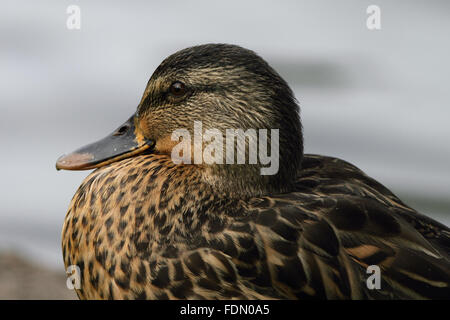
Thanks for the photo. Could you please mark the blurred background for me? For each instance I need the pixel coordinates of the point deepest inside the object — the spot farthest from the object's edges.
(379, 99)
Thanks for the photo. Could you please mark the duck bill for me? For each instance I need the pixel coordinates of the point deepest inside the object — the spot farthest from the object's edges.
(123, 143)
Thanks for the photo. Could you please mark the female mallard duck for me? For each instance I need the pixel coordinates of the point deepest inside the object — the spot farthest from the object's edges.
(143, 226)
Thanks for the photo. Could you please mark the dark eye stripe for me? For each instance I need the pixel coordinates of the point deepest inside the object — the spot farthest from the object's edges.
(157, 99)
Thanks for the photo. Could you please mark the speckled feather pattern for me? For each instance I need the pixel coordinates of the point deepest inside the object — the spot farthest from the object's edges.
(144, 228)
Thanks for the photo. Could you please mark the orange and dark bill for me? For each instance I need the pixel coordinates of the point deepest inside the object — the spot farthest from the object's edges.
(123, 143)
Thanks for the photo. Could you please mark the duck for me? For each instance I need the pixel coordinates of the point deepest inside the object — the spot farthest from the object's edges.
(146, 224)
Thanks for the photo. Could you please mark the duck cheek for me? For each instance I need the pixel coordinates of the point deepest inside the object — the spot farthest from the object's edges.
(142, 125)
(167, 144)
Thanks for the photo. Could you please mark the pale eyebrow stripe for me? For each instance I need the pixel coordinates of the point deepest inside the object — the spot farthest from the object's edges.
(195, 88)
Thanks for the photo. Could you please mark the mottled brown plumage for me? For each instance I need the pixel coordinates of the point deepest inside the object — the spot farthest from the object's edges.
(146, 228)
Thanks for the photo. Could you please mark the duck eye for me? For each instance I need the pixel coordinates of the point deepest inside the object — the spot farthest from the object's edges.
(177, 88)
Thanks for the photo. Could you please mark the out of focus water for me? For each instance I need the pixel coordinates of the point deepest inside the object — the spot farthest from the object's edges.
(379, 99)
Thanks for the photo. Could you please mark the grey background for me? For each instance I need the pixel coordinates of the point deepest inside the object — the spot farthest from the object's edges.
(379, 99)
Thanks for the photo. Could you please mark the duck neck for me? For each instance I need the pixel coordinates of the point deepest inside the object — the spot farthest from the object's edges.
(244, 181)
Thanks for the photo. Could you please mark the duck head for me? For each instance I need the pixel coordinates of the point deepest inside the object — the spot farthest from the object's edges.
(210, 88)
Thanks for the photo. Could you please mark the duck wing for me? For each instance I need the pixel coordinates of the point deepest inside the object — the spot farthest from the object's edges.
(320, 240)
